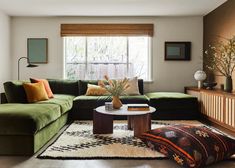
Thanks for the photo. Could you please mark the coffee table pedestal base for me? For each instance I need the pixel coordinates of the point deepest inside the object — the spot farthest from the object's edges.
(139, 123)
(102, 123)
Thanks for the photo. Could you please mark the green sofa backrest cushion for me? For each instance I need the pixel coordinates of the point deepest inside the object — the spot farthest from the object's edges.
(141, 86)
(15, 92)
(3, 98)
(83, 85)
(64, 86)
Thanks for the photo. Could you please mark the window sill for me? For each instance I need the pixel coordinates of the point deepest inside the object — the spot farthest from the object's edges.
(149, 81)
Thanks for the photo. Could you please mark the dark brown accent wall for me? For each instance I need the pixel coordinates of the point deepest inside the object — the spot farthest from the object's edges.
(219, 22)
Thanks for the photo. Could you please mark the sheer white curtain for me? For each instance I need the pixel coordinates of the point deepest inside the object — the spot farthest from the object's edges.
(117, 57)
(97, 71)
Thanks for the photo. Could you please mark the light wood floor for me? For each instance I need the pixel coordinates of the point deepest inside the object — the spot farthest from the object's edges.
(33, 162)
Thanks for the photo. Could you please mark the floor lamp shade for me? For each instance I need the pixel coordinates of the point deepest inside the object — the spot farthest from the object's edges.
(28, 66)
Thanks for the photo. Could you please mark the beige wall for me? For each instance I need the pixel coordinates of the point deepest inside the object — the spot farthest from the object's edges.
(220, 22)
(167, 75)
(5, 64)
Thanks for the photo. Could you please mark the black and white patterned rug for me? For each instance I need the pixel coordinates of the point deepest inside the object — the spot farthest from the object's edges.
(79, 142)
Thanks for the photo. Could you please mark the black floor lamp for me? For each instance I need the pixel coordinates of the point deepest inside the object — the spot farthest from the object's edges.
(29, 65)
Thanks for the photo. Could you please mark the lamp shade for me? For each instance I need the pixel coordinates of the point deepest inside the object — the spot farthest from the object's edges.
(31, 65)
(200, 75)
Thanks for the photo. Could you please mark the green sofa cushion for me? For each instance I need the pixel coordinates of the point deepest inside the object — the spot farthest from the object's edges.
(172, 100)
(18, 119)
(109, 98)
(29, 144)
(167, 95)
(15, 92)
(92, 98)
(134, 99)
(173, 106)
(64, 101)
(63, 86)
(90, 102)
(95, 101)
(83, 105)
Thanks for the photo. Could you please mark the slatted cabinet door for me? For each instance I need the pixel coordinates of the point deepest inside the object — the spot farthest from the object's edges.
(216, 106)
(230, 111)
(212, 106)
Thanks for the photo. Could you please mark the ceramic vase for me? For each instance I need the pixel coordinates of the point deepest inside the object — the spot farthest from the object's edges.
(228, 84)
(117, 104)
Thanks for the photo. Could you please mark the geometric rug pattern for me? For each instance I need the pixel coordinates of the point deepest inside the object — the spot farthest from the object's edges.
(79, 142)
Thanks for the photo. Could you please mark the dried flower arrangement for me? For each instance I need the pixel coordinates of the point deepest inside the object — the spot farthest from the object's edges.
(221, 57)
(116, 88)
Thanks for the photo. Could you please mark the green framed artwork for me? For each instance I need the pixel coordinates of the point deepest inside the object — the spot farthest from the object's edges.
(37, 50)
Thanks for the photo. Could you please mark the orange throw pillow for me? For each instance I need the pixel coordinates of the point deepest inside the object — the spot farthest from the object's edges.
(46, 85)
(35, 92)
(94, 90)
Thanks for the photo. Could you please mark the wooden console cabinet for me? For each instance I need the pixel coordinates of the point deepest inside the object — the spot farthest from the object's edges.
(216, 106)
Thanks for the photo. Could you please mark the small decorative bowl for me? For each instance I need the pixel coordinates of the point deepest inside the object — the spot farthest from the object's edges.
(209, 85)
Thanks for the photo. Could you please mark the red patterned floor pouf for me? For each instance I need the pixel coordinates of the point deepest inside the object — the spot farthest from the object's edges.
(190, 146)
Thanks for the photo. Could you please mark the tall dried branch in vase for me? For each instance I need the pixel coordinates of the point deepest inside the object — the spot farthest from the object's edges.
(220, 59)
(116, 88)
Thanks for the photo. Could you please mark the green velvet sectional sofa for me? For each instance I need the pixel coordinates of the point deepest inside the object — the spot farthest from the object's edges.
(26, 127)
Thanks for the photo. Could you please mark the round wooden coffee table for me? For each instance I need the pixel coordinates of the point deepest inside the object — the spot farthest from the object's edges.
(139, 121)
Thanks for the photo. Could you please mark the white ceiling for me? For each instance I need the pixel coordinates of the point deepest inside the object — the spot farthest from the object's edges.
(108, 7)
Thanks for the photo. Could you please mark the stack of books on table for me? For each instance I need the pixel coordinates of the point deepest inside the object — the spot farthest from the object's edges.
(137, 107)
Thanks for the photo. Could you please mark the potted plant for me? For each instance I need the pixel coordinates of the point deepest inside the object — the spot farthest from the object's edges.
(220, 58)
(116, 88)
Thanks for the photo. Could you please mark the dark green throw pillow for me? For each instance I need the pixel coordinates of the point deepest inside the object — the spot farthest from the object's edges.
(64, 86)
(15, 92)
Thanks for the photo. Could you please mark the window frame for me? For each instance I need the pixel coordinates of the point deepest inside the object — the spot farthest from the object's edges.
(149, 59)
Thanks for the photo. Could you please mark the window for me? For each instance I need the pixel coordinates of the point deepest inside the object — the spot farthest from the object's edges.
(92, 57)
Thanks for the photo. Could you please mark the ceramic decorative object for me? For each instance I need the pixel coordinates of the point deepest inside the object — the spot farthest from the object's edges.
(108, 106)
(228, 84)
(209, 85)
(117, 104)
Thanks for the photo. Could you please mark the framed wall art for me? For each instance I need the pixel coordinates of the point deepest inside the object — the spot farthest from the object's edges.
(178, 51)
(37, 50)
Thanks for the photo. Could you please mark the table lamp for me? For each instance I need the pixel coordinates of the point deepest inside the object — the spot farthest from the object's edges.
(200, 76)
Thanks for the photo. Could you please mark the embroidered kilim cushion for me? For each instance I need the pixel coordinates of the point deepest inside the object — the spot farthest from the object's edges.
(190, 146)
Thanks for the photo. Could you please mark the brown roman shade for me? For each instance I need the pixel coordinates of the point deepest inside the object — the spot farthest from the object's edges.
(106, 29)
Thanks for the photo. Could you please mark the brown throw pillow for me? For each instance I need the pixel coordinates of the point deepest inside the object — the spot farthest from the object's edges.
(35, 92)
